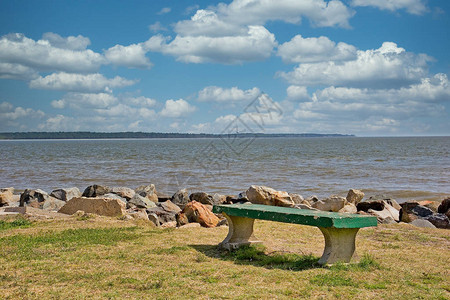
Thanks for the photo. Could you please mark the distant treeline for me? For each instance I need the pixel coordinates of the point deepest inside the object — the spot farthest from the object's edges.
(145, 135)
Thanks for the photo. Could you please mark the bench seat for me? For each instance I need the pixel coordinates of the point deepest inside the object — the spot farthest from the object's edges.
(339, 229)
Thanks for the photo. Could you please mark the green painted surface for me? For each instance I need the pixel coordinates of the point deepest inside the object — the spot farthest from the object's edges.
(297, 216)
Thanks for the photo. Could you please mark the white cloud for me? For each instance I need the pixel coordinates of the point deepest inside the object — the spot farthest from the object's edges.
(86, 101)
(164, 10)
(295, 92)
(140, 101)
(13, 118)
(177, 108)
(218, 94)
(257, 44)
(416, 7)
(132, 56)
(388, 66)
(16, 71)
(79, 82)
(310, 50)
(71, 42)
(157, 26)
(41, 55)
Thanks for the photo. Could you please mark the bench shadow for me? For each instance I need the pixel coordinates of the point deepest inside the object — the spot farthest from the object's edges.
(256, 255)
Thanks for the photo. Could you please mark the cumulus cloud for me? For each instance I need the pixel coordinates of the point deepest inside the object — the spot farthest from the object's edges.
(177, 108)
(257, 44)
(16, 71)
(295, 92)
(157, 26)
(79, 82)
(71, 42)
(41, 55)
(132, 56)
(13, 118)
(416, 7)
(86, 100)
(311, 50)
(388, 66)
(218, 94)
(140, 101)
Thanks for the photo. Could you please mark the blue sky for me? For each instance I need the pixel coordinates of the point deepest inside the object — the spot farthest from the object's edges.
(364, 67)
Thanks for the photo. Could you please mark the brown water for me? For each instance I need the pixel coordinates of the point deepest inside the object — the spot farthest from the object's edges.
(406, 168)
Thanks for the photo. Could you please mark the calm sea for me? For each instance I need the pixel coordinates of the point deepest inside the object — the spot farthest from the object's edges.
(405, 168)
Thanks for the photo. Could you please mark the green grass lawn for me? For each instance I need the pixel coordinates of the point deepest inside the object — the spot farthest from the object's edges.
(104, 258)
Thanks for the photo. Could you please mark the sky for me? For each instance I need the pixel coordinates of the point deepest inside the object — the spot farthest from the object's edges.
(363, 67)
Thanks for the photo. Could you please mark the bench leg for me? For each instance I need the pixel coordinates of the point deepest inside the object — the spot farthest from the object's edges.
(339, 245)
(240, 232)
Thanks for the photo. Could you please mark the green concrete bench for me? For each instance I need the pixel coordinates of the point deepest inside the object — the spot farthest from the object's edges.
(338, 229)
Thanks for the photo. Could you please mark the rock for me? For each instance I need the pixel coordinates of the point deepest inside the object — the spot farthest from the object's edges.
(433, 205)
(202, 197)
(198, 213)
(268, 196)
(422, 211)
(171, 224)
(169, 206)
(99, 206)
(181, 198)
(374, 205)
(162, 196)
(190, 225)
(220, 199)
(149, 192)
(439, 220)
(139, 214)
(114, 196)
(6, 196)
(123, 192)
(242, 197)
(304, 206)
(141, 202)
(444, 207)
(181, 219)
(163, 216)
(333, 203)
(311, 199)
(386, 199)
(66, 194)
(53, 204)
(394, 212)
(354, 196)
(96, 190)
(422, 223)
(383, 216)
(33, 197)
(393, 203)
(298, 199)
(154, 218)
(349, 208)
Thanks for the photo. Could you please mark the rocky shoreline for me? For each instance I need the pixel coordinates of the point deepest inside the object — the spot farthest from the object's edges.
(184, 209)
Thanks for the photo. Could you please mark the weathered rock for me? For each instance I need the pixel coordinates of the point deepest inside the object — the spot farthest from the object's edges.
(169, 206)
(99, 206)
(333, 203)
(422, 223)
(162, 196)
(413, 210)
(298, 199)
(311, 199)
(139, 214)
(96, 190)
(393, 203)
(202, 197)
(190, 225)
(242, 197)
(66, 194)
(123, 192)
(141, 202)
(171, 224)
(219, 199)
(154, 218)
(374, 205)
(349, 208)
(304, 206)
(268, 196)
(6, 196)
(198, 213)
(385, 199)
(354, 196)
(33, 197)
(114, 196)
(422, 211)
(394, 212)
(383, 216)
(53, 204)
(163, 216)
(181, 198)
(149, 192)
(181, 219)
(439, 220)
(433, 205)
(444, 207)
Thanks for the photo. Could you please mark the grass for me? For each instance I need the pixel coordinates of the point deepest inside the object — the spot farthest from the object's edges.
(106, 258)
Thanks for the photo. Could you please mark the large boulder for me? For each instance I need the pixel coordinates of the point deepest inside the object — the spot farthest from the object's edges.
(202, 197)
(123, 192)
(374, 205)
(181, 198)
(268, 196)
(422, 223)
(53, 204)
(34, 198)
(349, 208)
(169, 206)
(354, 196)
(100, 206)
(96, 190)
(148, 191)
(412, 210)
(383, 216)
(385, 199)
(298, 199)
(141, 202)
(333, 203)
(196, 212)
(6, 196)
(162, 215)
(444, 207)
(66, 194)
(439, 220)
